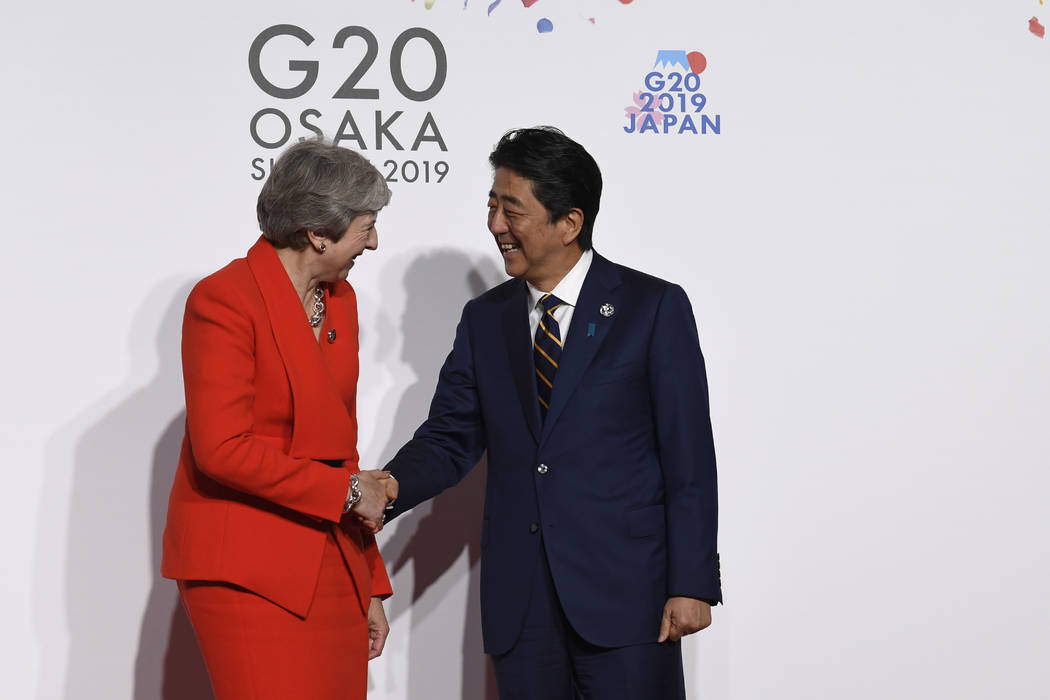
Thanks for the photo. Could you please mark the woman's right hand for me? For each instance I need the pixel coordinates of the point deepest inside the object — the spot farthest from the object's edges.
(369, 510)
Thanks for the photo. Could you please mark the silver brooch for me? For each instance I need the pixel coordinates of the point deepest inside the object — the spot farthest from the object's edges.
(607, 310)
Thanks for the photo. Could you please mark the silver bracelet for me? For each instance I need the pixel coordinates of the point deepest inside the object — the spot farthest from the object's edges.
(353, 496)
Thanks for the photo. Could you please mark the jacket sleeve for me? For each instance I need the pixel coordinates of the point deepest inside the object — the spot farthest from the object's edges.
(452, 439)
(218, 362)
(678, 386)
(381, 587)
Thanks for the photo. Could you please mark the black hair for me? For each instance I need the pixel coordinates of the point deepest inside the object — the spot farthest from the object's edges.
(564, 176)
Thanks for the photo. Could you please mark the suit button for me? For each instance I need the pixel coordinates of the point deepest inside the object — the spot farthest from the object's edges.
(542, 469)
(534, 528)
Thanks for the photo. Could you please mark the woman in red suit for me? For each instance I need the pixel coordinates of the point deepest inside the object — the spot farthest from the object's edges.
(270, 523)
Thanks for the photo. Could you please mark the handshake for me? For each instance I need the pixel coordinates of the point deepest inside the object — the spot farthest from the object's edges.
(378, 493)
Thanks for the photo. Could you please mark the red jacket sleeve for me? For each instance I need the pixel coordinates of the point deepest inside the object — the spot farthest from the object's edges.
(218, 340)
(381, 587)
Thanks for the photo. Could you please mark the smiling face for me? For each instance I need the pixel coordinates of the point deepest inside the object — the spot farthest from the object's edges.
(532, 247)
(339, 256)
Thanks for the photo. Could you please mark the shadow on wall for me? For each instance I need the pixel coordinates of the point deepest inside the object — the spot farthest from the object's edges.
(124, 452)
(117, 460)
(169, 663)
(430, 541)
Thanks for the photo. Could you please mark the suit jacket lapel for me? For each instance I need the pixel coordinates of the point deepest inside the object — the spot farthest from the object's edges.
(581, 345)
(322, 428)
(519, 351)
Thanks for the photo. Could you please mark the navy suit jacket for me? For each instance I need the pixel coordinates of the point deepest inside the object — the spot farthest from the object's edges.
(617, 484)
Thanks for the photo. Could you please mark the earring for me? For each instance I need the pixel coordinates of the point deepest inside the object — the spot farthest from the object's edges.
(323, 247)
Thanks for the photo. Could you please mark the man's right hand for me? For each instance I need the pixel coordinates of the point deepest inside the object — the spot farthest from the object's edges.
(392, 489)
(369, 510)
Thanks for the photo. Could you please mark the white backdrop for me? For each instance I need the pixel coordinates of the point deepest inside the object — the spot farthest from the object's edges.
(864, 242)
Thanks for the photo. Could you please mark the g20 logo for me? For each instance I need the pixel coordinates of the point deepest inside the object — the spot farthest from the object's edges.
(271, 127)
(666, 102)
(672, 101)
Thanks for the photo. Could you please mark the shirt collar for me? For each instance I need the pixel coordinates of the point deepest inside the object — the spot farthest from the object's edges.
(568, 290)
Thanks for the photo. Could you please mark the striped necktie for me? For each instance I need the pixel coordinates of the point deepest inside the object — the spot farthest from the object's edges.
(546, 351)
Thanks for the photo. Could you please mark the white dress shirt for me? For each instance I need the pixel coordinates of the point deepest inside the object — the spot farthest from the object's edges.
(568, 290)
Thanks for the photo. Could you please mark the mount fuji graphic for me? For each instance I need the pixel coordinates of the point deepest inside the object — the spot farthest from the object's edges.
(669, 59)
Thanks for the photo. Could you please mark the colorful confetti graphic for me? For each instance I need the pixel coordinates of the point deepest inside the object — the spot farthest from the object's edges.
(544, 25)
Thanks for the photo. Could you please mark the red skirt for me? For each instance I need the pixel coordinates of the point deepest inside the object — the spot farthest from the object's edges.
(257, 650)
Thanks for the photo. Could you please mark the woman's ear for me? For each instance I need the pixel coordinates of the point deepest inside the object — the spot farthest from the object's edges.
(318, 243)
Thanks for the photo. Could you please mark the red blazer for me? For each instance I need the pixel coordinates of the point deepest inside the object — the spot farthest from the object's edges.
(264, 400)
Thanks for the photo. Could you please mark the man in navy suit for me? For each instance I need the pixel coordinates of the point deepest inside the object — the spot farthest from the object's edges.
(584, 381)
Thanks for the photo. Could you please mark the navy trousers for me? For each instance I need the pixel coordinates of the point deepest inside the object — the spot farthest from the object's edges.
(551, 662)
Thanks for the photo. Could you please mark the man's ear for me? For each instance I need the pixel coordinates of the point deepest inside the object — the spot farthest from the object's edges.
(570, 226)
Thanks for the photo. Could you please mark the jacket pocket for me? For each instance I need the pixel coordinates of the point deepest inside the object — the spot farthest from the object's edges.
(645, 521)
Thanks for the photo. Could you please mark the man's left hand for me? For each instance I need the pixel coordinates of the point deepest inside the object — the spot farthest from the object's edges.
(683, 616)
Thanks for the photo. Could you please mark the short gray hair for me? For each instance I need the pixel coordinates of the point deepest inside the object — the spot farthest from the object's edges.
(317, 186)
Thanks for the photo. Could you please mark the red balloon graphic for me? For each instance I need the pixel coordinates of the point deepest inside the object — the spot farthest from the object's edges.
(697, 61)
